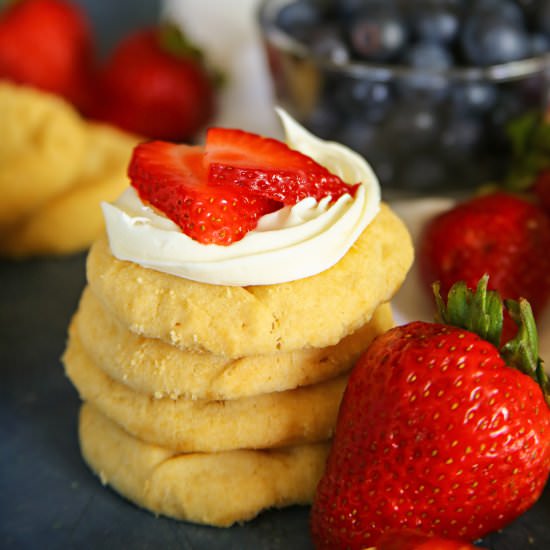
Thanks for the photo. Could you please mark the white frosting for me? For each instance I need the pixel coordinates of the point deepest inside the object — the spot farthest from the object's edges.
(289, 244)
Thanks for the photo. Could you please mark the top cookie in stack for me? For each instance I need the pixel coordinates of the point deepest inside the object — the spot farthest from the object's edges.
(211, 401)
(234, 321)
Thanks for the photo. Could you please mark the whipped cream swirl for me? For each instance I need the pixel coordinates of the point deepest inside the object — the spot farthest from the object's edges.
(291, 243)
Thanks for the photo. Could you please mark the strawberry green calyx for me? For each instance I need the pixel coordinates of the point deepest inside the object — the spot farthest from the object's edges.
(174, 41)
(530, 139)
(478, 311)
(522, 352)
(5, 4)
(481, 312)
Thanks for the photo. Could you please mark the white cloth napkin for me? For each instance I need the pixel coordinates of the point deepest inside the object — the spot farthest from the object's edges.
(228, 33)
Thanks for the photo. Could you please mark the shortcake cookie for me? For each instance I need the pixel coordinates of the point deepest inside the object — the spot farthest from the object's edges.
(316, 311)
(306, 414)
(41, 149)
(215, 489)
(72, 219)
(151, 366)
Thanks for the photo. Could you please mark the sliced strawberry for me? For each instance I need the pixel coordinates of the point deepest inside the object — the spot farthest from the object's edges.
(173, 178)
(268, 168)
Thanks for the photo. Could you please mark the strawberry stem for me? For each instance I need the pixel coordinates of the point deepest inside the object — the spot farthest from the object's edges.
(481, 312)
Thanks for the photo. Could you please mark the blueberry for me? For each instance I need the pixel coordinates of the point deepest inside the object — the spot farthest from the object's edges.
(540, 43)
(421, 86)
(462, 134)
(299, 18)
(378, 35)
(435, 21)
(349, 9)
(505, 9)
(412, 125)
(380, 100)
(361, 98)
(475, 97)
(323, 120)
(359, 136)
(429, 56)
(491, 39)
(327, 42)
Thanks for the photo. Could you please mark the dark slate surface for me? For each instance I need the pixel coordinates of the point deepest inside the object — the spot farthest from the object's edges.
(49, 498)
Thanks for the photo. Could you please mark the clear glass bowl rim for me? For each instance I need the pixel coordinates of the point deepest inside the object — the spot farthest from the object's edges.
(275, 36)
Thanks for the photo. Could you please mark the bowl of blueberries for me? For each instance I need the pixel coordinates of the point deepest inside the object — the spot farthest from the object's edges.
(426, 90)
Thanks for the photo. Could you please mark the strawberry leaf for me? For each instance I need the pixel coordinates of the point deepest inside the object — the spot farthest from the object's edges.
(5, 4)
(482, 312)
(522, 352)
(174, 41)
(530, 139)
(478, 311)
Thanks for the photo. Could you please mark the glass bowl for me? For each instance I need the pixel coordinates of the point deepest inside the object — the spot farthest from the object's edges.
(424, 132)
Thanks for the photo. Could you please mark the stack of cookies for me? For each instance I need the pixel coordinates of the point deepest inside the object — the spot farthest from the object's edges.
(56, 169)
(210, 403)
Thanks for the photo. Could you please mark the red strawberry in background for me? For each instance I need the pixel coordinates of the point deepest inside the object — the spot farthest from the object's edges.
(436, 432)
(177, 180)
(48, 44)
(154, 84)
(500, 234)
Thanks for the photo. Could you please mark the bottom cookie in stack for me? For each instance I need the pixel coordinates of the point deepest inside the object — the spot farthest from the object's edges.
(212, 488)
(206, 449)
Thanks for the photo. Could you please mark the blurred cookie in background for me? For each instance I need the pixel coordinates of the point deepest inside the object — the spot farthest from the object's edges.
(41, 151)
(69, 220)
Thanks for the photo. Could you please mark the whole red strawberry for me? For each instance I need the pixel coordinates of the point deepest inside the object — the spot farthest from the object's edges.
(48, 44)
(500, 234)
(409, 539)
(436, 432)
(155, 85)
